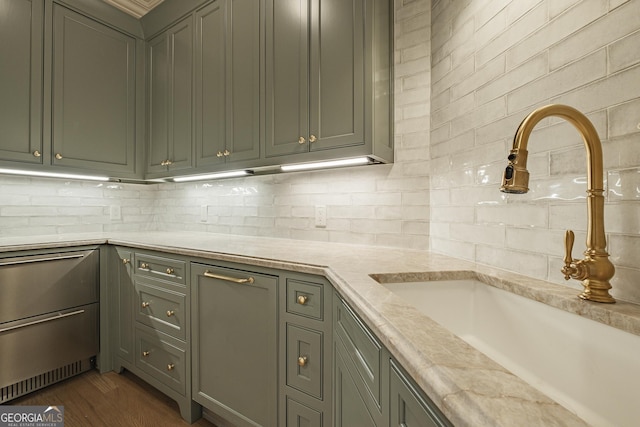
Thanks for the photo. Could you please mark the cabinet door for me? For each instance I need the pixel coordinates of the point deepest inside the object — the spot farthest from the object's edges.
(337, 79)
(287, 110)
(21, 80)
(229, 34)
(93, 94)
(349, 406)
(122, 300)
(169, 99)
(235, 344)
(408, 407)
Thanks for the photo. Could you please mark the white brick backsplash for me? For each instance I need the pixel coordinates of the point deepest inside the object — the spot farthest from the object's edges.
(624, 52)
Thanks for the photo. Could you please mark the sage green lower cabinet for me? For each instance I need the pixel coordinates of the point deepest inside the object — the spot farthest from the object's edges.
(150, 312)
(409, 406)
(235, 344)
(370, 387)
(305, 345)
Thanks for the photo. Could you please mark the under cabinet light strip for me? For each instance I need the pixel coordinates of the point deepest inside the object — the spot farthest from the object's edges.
(232, 174)
(328, 164)
(53, 175)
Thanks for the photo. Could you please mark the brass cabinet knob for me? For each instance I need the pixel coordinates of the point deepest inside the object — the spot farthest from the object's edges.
(302, 299)
(226, 153)
(144, 265)
(169, 270)
(302, 361)
(170, 313)
(145, 304)
(146, 353)
(126, 261)
(301, 140)
(313, 139)
(37, 154)
(170, 367)
(58, 156)
(219, 154)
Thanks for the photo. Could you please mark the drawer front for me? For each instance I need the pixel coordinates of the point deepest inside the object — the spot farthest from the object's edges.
(299, 415)
(162, 360)
(39, 344)
(162, 309)
(304, 360)
(170, 270)
(362, 348)
(305, 299)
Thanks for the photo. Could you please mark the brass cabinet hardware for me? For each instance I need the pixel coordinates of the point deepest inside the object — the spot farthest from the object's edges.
(166, 162)
(302, 299)
(169, 270)
(146, 353)
(302, 361)
(36, 322)
(144, 265)
(226, 153)
(126, 261)
(170, 367)
(145, 304)
(37, 153)
(313, 139)
(170, 313)
(248, 280)
(301, 140)
(219, 154)
(58, 156)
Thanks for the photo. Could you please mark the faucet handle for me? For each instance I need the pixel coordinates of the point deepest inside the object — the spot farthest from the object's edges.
(569, 238)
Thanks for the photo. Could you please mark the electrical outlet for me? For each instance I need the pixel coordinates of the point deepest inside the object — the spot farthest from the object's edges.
(204, 213)
(321, 216)
(115, 213)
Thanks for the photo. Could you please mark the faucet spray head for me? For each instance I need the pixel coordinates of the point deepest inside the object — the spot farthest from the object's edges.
(515, 178)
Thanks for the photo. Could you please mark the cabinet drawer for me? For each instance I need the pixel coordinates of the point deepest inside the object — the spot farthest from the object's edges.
(162, 360)
(305, 299)
(170, 270)
(299, 415)
(161, 309)
(304, 360)
(362, 348)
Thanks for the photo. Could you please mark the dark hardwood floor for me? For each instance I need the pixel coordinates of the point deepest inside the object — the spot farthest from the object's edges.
(111, 399)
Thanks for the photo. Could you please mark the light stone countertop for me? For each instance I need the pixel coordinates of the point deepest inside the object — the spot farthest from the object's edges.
(469, 388)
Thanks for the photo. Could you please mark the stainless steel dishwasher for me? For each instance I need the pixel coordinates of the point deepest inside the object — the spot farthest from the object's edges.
(49, 319)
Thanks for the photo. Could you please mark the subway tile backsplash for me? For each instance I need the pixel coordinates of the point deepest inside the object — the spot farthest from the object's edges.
(466, 74)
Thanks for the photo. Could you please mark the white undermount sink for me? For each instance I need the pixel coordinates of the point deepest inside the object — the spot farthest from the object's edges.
(590, 368)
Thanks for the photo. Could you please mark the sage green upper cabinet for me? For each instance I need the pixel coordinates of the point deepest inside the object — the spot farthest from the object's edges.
(229, 34)
(93, 95)
(170, 100)
(328, 79)
(21, 26)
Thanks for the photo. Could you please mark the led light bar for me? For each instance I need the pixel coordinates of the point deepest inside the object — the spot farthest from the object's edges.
(231, 174)
(53, 175)
(328, 164)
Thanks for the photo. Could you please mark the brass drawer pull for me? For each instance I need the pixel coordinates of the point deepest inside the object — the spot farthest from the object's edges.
(145, 304)
(170, 367)
(37, 153)
(312, 139)
(169, 270)
(170, 313)
(126, 261)
(144, 266)
(219, 154)
(226, 153)
(301, 140)
(146, 353)
(302, 361)
(211, 275)
(58, 156)
(302, 299)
